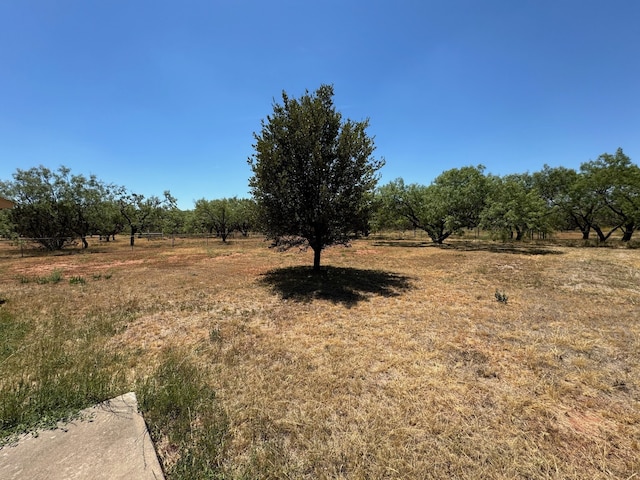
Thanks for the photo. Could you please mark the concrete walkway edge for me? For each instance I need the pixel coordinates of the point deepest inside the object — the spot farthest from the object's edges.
(110, 441)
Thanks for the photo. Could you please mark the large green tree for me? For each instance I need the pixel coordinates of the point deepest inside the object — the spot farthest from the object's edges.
(40, 212)
(514, 205)
(386, 215)
(7, 228)
(54, 206)
(88, 197)
(450, 204)
(245, 214)
(110, 221)
(614, 182)
(312, 172)
(219, 216)
(603, 196)
(140, 212)
(571, 202)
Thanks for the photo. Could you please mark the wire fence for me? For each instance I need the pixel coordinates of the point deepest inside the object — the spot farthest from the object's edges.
(29, 246)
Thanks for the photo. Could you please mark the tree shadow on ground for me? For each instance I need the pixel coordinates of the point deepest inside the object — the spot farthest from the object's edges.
(507, 247)
(474, 246)
(403, 243)
(336, 284)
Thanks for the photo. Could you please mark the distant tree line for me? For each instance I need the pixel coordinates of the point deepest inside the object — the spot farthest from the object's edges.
(56, 207)
(601, 197)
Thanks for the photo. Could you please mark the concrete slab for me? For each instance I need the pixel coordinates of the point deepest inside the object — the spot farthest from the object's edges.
(110, 442)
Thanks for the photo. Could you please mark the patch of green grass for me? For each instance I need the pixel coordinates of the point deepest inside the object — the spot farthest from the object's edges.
(184, 416)
(12, 333)
(49, 375)
(53, 277)
(77, 281)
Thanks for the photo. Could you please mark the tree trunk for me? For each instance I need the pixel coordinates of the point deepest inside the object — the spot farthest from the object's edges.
(583, 224)
(602, 237)
(316, 259)
(519, 234)
(439, 240)
(84, 242)
(132, 239)
(438, 236)
(628, 231)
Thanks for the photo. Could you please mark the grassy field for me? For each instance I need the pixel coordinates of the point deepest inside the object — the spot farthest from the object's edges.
(477, 360)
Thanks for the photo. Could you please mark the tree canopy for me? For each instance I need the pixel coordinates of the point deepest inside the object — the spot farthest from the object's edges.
(53, 206)
(614, 181)
(313, 184)
(451, 203)
(514, 205)
(312, 172)
(140, 212)
(224, 216)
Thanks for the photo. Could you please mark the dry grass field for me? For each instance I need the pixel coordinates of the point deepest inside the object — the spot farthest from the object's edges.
(398, 361)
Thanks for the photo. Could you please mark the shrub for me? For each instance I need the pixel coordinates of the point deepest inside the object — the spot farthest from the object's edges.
(501, 296)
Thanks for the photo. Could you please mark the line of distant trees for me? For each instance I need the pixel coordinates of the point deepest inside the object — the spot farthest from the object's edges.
(56, 207)
(602, 197)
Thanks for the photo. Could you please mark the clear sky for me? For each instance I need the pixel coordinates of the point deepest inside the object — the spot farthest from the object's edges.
(158, 95)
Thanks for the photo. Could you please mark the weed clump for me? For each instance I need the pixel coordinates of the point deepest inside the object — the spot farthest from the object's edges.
(501, 297)
(214, 335)
(53, 277)
(100, 276)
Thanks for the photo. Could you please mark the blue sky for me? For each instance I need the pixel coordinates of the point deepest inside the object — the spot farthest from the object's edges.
(158, 95)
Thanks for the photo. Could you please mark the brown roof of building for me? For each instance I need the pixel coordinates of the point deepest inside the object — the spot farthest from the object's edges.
(4, 203)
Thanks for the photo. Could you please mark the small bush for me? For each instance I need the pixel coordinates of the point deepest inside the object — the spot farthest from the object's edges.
(501, 296)
(53, 277)
(77, 281)
(56, 276)
(215, 335)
